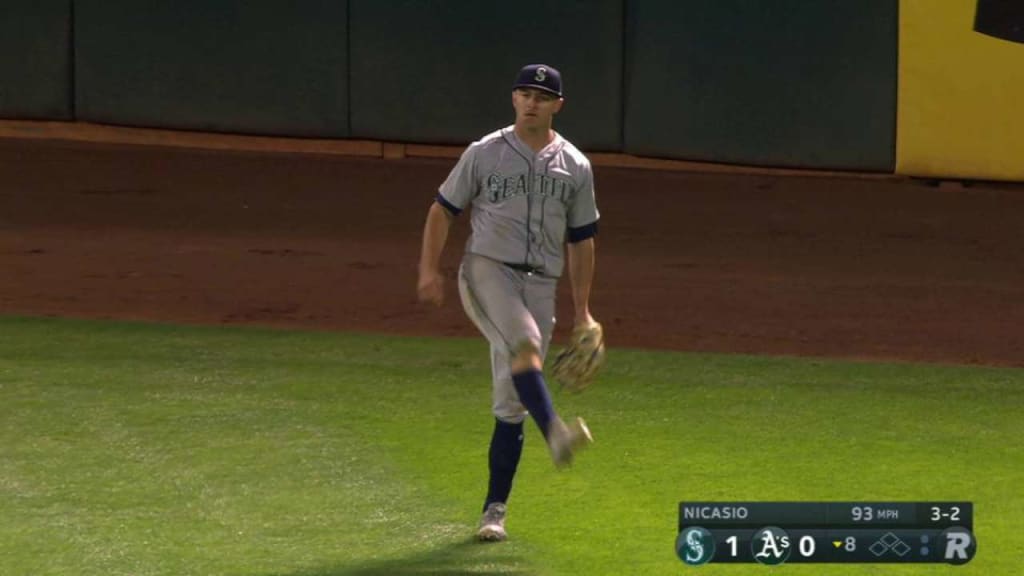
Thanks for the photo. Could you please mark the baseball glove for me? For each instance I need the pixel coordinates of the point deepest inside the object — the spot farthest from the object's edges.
(576, 365)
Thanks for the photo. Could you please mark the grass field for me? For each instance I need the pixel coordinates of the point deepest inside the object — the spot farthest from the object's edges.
(149, 449)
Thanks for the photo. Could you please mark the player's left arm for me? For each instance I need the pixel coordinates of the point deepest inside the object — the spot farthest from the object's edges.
(581, 276)
(575, 366)
(582, 219)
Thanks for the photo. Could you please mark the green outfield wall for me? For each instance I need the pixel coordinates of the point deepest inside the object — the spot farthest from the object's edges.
(35, 59)
(783, 83)
(790, 83)
(442, 71)
(246, 66)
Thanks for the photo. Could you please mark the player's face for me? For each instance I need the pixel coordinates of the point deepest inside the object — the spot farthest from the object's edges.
(534, 108)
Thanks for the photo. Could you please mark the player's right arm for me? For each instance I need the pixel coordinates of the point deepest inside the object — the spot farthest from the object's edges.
(453, 195)
(430, 287)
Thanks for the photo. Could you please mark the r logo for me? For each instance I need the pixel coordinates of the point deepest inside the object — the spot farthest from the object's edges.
(542, 73)
(960, 545)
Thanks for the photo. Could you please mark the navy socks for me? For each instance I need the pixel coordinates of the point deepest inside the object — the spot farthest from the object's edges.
(507, 439)
(533, 393)
(506, 448)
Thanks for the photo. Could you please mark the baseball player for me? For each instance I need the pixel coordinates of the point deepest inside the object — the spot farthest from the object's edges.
(531, 193)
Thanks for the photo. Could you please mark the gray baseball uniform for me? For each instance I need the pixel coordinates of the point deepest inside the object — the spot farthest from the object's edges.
(525, 206)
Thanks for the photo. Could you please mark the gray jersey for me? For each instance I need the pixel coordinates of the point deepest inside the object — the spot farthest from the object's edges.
(525, 204)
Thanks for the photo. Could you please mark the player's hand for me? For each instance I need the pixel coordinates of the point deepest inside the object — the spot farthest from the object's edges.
(430, 287)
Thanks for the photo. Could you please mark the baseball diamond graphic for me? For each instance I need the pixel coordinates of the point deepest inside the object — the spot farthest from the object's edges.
(889, 542)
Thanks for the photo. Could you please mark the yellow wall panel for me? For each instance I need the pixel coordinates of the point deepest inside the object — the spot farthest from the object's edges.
(960, 110)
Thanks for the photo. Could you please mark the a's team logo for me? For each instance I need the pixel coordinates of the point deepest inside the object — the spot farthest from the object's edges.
(541, 74)
(695, 546)
(770, 545)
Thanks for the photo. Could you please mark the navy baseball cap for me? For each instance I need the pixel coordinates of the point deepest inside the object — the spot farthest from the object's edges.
(540, 76)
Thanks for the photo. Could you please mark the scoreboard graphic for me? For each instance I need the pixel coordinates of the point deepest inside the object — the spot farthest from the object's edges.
(774, 533)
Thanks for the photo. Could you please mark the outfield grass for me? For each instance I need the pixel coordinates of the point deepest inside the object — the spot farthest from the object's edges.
(147, 449)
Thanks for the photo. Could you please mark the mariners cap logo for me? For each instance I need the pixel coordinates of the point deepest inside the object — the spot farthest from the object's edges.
(540, 76)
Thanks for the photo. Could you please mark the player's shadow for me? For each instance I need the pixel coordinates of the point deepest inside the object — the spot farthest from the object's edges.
(463, 558)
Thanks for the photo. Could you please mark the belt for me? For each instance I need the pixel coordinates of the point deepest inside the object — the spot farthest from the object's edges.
(524, 268)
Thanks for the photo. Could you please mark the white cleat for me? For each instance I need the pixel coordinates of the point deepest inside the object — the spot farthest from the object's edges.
(565, 440)
(492, 524)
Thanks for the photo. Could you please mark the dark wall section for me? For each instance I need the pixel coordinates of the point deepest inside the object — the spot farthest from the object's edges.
(802, 83)
(35, 59)
(441, 71)
(251, 66)
(783, 83)
(1000, 19)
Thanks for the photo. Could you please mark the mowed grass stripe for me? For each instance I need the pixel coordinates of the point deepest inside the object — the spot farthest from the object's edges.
(246, 451)
(137, 449)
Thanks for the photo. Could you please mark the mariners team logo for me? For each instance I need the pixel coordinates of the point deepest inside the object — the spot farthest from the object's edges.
(771, 546)
(695, 546)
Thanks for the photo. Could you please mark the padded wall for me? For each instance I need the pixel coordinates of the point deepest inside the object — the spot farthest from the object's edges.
(783, 83)
(441, 71)
(250, 66)
(961, 89)
(35, 59)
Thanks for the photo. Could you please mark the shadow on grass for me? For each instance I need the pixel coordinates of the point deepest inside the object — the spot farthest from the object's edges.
(462, 558)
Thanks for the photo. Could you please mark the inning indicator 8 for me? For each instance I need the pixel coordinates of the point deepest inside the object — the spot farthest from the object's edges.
(848, 532)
